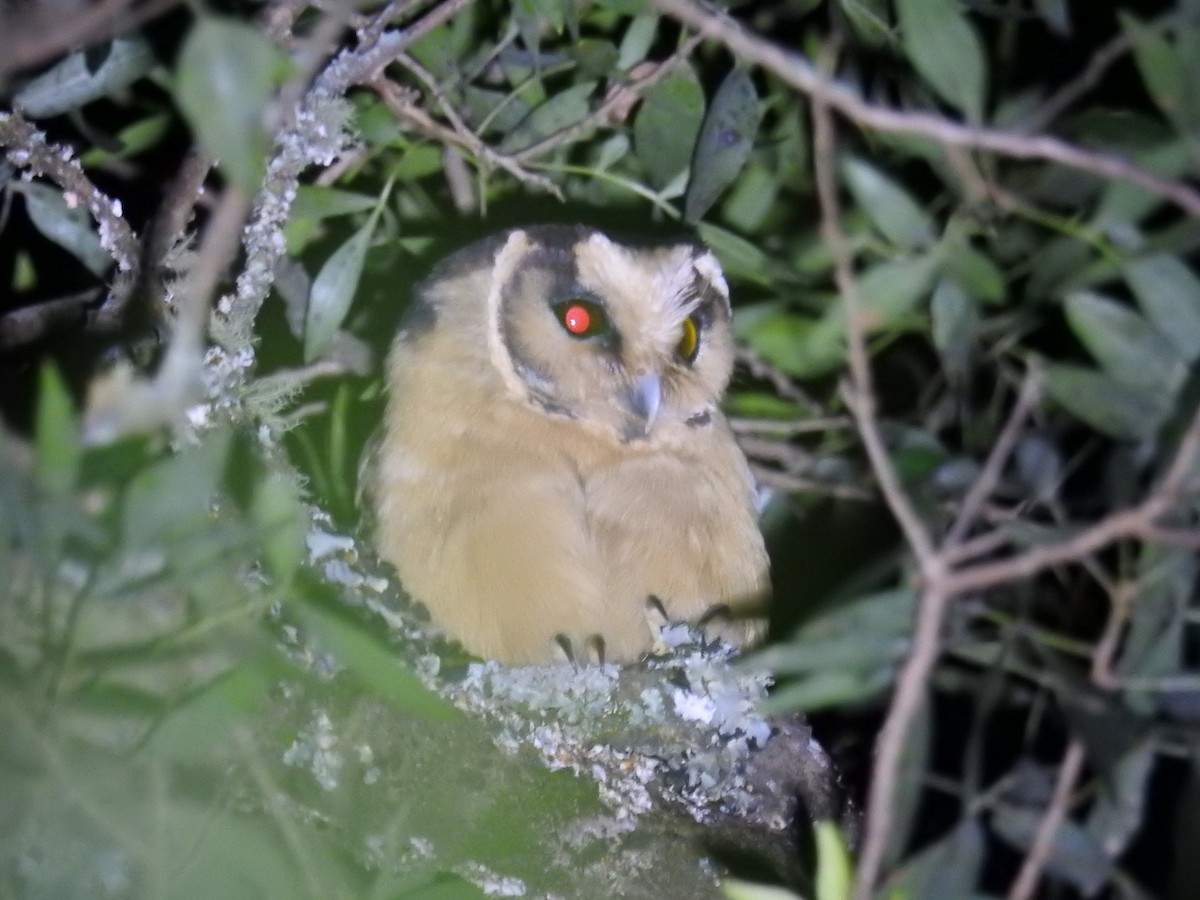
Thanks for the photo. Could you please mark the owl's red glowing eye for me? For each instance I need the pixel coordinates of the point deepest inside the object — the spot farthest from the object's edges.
(577, 319)
(581, 318)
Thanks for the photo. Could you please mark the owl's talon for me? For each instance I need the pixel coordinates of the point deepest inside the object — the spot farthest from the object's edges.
(656, 616)
(595, 646)
(565, 647)
(718, 611)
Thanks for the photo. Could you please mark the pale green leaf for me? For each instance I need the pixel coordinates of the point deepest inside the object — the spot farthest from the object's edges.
(736, 889)
(869, 19)
(56, 434)
(226, 75)
(561, 110)
(835, 872)
(1169, 293)
(1125, 345)
(725, 141)
(639, 36)
(279, 517)
(333, 291)
(319, 202)
(134, 139)
(1109, 406)
(667, 124)
(1056, 14)
(372, 663)
(1162, 69)
(73, 83)
(891, 209)
(69, 226)
(955, 318)
(943, 46)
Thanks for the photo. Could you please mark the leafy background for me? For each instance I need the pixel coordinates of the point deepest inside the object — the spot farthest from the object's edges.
(961, 239)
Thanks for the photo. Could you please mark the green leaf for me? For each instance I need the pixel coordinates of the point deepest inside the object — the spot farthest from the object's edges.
(1056, 14)
(739, 257)
(806, 347)
(319, 202)
(134, 139)
(1074, 856)
(944, 48)
(736, 889)
(845, 655)
(174, 496)
(892, 290)
(726, 139)
(835, 874)
(595, 58)
(1169, 293)
(891, 209)
(1109, 406)
(1163, 72)
(56, 435)
(977, 274)
(71, 227)
(563, 109)
(372, 663)
(639, 36)
(955, 318)
(667, 124)
(333, 291)
(72, 83)
(226, 76)
(207, 718)
(279, 517)
(1124, 203)
(949, 867)
(1127, 348)
(753, 198)
(869, 19)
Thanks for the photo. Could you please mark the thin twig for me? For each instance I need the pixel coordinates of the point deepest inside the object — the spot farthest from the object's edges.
(914, 674)
(617, 99)
(1026, 882)
(27, 324)
(983, 486)
(1140, 521)
(742, 425)
(462, 134)
(795, 70)
(794, 484)
(1102, 60)
(783, 384)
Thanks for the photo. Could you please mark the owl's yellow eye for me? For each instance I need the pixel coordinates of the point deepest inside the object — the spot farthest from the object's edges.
(582, 318)
(689, 339)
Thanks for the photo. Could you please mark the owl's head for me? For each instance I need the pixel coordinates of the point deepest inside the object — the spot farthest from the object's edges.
(624, 338)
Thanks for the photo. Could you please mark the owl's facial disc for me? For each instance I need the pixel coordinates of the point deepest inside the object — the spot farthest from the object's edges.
(631, 341)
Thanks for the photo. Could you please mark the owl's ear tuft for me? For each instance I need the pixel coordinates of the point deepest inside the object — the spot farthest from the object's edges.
(709, 271)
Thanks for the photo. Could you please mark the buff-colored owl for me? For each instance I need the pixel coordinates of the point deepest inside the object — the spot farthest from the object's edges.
(554, 471)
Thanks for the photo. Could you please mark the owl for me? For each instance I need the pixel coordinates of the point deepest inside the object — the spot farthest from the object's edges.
(554, 474)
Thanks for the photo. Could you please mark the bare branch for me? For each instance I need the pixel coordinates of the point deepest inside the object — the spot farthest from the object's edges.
(618, 98)
(994, 467)
(27, 148)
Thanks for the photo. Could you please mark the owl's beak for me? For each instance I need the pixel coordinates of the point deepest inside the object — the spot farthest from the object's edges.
(643, 399)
